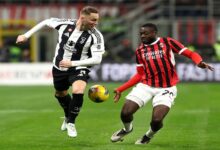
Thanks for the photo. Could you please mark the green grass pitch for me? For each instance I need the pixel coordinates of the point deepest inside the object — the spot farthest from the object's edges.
(30, 119)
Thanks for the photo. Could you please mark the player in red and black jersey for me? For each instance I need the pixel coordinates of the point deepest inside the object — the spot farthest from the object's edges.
(156, 77)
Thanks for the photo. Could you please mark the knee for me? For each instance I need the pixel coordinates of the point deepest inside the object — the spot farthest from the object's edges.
(61, 93)
(126, 115)
(77, 91)
(156, 124)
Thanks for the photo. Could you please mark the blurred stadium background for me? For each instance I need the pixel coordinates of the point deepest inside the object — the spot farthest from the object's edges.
(196, 23)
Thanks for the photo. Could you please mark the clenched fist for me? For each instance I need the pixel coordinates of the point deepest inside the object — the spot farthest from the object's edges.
(21, 39)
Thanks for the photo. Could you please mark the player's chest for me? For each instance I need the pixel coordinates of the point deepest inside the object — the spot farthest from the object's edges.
(153, 52)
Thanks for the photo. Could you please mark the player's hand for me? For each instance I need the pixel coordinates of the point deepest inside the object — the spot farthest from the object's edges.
(117, 96)
(21, 39)
(205, 65)
(65, 63)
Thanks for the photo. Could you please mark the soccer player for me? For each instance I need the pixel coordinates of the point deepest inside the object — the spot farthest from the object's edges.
(80, 45)
(156, 77)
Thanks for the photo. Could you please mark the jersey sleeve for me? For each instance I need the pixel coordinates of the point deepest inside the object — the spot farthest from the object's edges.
(97, 50)
(52, 23)
(56, 22)
(176, 46)
(98, 45)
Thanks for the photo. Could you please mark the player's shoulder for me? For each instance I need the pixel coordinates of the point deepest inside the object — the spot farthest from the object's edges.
(95, 31)
(140, 47)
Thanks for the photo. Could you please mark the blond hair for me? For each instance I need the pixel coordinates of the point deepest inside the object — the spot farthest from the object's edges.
(87, 10)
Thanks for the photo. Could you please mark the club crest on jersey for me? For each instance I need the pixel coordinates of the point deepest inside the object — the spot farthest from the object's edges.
(70, 46)
(70, 30)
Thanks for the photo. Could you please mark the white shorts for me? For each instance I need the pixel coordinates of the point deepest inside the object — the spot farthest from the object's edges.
(142, 94)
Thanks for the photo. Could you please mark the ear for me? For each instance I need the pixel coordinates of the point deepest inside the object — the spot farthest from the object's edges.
(82, 17)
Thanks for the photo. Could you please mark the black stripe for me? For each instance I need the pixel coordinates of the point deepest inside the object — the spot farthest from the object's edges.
(58, 27)
(175, 45)
(138, 62)
(64, 40)
(89, 51)
(168, 50)
(151, 70)
(157, 67)
(79, 45)
(165, 66)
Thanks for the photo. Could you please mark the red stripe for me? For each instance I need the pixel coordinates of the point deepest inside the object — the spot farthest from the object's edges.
(201, 32)
(162, 69)
(152, 64)
(179, 30)
(211, 32)
(190, 32)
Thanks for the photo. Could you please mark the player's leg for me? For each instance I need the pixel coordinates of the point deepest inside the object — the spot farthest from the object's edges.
(64, 99)
(61, 86)
(79, 81)
(128, 109)
(158, 114)
(78, 88)
(162, 103)
(137, 98)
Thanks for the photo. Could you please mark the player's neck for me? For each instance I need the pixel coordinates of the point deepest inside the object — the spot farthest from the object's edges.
(79, 25)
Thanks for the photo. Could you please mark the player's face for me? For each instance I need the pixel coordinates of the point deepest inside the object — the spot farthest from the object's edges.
(148, 35)
(90, 21)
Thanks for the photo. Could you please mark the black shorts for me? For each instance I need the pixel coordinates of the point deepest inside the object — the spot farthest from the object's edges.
(63, 79)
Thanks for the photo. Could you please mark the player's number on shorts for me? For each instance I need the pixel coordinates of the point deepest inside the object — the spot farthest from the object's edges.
(167, 92)
(82, 73)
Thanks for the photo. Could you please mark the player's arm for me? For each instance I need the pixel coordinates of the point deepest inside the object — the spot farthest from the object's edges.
(131, 82)
(195, 57)
(24, 37)
(94, 60)
(97, 51)
(52, 23)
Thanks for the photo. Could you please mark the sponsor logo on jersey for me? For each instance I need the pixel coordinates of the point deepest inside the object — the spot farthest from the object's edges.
(70, 46)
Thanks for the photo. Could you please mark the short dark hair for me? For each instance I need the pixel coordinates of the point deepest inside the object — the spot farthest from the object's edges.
(89, 9)
(150, 25)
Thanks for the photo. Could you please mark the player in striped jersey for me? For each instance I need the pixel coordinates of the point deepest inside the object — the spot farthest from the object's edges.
(156, 77)
(80, 46)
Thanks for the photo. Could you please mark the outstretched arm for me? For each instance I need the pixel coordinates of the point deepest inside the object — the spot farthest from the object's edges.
(97, 50)
(197, 59)
(131, 82)
(24, 37)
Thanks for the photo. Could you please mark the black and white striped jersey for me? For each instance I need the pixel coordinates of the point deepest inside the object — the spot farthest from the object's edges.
(73, 44)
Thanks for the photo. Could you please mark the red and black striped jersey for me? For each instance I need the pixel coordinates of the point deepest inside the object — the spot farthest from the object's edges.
(158, 61)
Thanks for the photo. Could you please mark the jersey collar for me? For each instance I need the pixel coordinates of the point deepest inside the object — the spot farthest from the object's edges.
(153, 42)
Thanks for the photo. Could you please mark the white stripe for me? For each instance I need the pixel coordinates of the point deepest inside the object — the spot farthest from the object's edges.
(172, 58)
(182, 50)
(139, 65)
